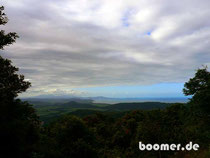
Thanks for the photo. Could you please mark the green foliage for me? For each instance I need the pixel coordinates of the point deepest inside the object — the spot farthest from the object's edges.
(68, 137)
(3, 18)
(198, 83)
(199, 87)
(11, 83)
(137, 106)
(49, 111)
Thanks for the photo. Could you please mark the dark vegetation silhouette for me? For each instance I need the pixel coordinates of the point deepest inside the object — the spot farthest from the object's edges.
(100, 135)
(19, 124)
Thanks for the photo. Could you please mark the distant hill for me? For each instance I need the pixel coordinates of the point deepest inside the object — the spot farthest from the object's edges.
(101, 99)
(55, 101)
(143, 99)
(81, 100)
(119, 106)
(49, 109)
(74, 104)
(137, 106)
(86, 112)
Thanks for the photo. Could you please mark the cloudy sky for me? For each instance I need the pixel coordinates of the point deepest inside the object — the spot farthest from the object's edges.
(113, 48)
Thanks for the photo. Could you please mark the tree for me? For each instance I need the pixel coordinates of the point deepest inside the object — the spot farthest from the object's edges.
(68, 137)
(5, 39)
(199, 88)
(11, 83)
(19, 123)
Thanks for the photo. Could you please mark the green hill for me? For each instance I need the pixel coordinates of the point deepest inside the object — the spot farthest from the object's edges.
(137, 106)
(48, 112)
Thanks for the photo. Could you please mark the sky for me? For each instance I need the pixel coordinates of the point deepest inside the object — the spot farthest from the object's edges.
(112, 48)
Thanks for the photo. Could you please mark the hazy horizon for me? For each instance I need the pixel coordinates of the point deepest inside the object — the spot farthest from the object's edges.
(106, 100)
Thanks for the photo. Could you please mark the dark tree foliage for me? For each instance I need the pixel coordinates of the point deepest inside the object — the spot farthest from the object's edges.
(19, 128)
(5, 39)
(19, 123)
(68, 137)
(105, 136)
(199, 88)
(11, 83)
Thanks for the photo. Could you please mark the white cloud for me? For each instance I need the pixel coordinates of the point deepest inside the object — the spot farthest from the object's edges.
(84, 43)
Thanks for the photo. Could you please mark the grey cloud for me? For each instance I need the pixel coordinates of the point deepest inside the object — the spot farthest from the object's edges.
(58, 51)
